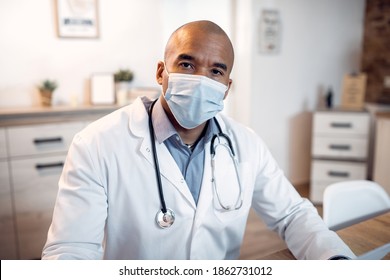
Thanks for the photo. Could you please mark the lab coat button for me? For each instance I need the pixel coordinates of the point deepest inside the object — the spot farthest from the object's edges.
(147, 149)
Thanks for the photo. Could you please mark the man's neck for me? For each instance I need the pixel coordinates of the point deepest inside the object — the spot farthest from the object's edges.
(188, 136)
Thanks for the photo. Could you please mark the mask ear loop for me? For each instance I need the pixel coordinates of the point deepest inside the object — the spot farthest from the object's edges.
(165, 68)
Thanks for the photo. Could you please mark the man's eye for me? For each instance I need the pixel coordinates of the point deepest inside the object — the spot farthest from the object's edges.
(186, 65)
(217, 72)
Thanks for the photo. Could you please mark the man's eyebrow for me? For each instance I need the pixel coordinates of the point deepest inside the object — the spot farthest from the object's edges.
(191, 58)
(185, 56)
(221, 65)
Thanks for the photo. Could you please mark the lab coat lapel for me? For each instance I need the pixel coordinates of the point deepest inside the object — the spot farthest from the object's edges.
(168, 168)
(172, 173)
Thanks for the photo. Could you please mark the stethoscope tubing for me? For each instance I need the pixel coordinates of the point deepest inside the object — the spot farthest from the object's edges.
(156, 163)
(165, 211)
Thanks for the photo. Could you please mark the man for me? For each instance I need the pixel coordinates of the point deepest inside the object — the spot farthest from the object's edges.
(111, 204)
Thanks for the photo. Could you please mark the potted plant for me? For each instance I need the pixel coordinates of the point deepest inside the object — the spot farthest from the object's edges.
(122, 79)
(123, 75)
(46, 89)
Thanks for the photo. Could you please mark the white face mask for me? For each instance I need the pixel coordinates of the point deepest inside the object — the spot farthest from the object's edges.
(194, 99)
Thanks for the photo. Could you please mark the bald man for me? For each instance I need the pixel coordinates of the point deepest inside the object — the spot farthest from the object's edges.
(173, 178)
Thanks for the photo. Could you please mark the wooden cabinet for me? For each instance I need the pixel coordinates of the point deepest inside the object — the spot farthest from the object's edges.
(33, 147)
(3, 144)
(7, 226)
(37, 154)
(340, 145)
(382, 152)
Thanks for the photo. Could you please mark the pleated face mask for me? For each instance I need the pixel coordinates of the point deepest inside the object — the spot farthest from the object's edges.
(194, 99)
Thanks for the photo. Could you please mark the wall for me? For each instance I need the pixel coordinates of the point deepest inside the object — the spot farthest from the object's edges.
(30, 50)
(321, 41)
(273, 94)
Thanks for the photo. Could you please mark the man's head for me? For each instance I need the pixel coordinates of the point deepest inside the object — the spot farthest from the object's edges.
(200, 48)
(197, 49)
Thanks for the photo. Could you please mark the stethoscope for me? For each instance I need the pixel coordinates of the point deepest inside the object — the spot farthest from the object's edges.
(165, 217)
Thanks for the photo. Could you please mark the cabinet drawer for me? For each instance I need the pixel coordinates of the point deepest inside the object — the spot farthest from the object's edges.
(324, 173)
(35, 182)
(3, 144)
(336, 147)
(333, 171)
(41, 139)
(341, 123)
(35, 189)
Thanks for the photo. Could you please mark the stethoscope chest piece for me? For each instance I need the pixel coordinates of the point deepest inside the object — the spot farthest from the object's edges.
(165, 220)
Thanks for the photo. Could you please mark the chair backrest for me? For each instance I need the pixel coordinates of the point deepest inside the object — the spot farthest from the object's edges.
(349, 202)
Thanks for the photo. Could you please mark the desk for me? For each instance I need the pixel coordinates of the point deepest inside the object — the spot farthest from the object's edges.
(361, 237)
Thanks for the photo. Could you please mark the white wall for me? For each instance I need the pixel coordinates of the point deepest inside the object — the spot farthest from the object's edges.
(321, 41)
(30, 50)
(274, 94)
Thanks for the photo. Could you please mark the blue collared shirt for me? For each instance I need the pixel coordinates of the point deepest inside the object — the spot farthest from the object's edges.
(189, 160)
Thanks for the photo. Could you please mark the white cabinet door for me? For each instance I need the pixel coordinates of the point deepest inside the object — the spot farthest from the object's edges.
(35, 189)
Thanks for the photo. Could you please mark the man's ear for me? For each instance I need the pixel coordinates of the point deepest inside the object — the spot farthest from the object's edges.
(227, 91)
(159, 72)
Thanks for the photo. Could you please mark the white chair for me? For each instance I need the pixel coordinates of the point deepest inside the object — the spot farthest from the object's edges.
(349, 202)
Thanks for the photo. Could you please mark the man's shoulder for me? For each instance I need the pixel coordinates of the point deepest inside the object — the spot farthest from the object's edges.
(113, 123)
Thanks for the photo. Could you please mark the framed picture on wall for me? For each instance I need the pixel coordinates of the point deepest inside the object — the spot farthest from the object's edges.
(354, 89)
(77, 18)
(269, 34)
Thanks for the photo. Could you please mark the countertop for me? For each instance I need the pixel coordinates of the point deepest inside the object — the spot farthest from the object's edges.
(385, 115)
(40, 114)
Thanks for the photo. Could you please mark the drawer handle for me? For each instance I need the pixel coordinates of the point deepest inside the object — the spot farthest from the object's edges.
(47, 140)
(340, 147)
(341, 125)
(338, 174)
(49, 165)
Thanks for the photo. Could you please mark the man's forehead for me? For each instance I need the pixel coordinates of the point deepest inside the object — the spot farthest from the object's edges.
(186, 43)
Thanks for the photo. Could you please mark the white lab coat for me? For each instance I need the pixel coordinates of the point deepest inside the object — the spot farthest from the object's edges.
(108, 199)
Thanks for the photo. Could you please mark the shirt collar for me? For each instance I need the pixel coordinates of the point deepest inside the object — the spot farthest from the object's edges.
(164, 129)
